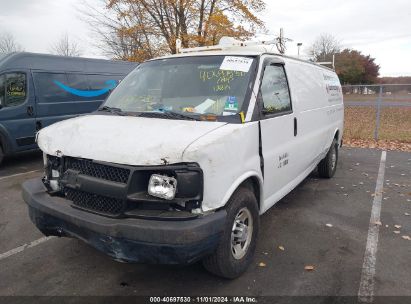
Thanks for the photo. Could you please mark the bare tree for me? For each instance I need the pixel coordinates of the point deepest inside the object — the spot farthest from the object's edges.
(143, 29)
(8, 44)
(324, 47)
(66, 47)
(113, 41)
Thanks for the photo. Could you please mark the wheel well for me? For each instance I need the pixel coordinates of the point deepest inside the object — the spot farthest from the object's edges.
(252, 183)
(337, 135)
(5, 143)
(337, 138)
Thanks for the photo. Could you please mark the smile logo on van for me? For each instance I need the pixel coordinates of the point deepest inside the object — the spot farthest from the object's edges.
(111, 84)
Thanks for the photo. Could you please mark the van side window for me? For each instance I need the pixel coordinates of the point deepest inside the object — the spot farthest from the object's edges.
(274, 90)
(2, 91)
(50, 87)
(78, 82)
(13, 89)
(106, 83)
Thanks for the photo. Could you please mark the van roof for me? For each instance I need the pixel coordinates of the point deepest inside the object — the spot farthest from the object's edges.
(24, 60)
(257, 50)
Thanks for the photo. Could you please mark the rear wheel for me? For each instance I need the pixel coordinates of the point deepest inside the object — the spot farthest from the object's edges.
(236, 248)
(1, 154)
(328, 166)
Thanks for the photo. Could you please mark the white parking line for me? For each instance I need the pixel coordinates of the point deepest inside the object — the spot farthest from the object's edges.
(24, 247)
(18, 174)
(366, 290)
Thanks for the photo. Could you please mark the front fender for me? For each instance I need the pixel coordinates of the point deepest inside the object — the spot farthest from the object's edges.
(227, 156)
(240, 180)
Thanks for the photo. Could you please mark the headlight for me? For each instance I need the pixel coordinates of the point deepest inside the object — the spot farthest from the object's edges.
(52, 172)
(162, 186)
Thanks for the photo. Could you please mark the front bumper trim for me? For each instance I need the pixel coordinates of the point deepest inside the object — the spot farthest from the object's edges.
(126, 239)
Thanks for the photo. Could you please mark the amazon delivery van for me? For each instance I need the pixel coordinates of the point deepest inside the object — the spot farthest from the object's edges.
(37, 90)
(186, 154)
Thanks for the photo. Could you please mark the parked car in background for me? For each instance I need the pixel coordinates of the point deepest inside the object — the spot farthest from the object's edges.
(187, 153)
(37, 90)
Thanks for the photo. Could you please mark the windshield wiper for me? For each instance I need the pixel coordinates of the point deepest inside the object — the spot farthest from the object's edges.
(112, 110)
(167, 114)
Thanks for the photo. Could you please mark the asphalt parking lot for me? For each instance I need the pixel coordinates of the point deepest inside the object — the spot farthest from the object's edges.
(322, 223)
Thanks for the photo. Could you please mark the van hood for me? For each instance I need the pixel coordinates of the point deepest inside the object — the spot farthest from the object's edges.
(123, 139)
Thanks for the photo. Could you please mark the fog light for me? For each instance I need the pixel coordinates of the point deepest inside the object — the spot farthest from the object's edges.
(162, 186)
(54, 185)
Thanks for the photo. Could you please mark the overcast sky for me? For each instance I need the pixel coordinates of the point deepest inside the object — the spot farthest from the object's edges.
(380, 28)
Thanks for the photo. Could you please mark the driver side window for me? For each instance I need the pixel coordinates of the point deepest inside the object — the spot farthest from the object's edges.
(274, 91)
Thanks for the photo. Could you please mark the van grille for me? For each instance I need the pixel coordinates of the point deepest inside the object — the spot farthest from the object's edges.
(94, 202)
(87, 167)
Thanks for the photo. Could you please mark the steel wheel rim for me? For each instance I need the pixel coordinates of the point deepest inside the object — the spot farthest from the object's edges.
(333, 158)
(241, 233)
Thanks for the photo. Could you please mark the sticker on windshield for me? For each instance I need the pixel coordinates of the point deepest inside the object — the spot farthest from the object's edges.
(228, 113)
(232, 63)
(231, 104)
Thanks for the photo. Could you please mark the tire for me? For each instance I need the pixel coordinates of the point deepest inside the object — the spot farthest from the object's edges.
(328, 166)
(230, 261)
(1, 154)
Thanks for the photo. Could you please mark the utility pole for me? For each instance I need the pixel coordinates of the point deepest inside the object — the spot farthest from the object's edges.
(281, 40)
(299, 44)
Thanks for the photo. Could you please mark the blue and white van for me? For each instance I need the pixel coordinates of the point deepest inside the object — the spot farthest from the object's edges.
(37, 90)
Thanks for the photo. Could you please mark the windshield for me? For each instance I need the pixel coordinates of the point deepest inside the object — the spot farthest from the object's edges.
(192, 86)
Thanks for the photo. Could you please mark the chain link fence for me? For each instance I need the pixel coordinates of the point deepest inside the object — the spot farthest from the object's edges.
(378, 112)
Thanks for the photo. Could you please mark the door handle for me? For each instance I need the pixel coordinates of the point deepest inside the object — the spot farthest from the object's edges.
(30, 111)
(295, 126)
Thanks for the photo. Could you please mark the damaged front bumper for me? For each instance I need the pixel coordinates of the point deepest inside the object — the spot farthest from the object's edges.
(125, 239)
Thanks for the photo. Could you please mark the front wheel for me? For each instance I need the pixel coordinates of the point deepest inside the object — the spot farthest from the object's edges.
(237, 245)
(328, 166)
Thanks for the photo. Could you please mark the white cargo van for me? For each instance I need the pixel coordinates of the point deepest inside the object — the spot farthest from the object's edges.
(186, 153)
